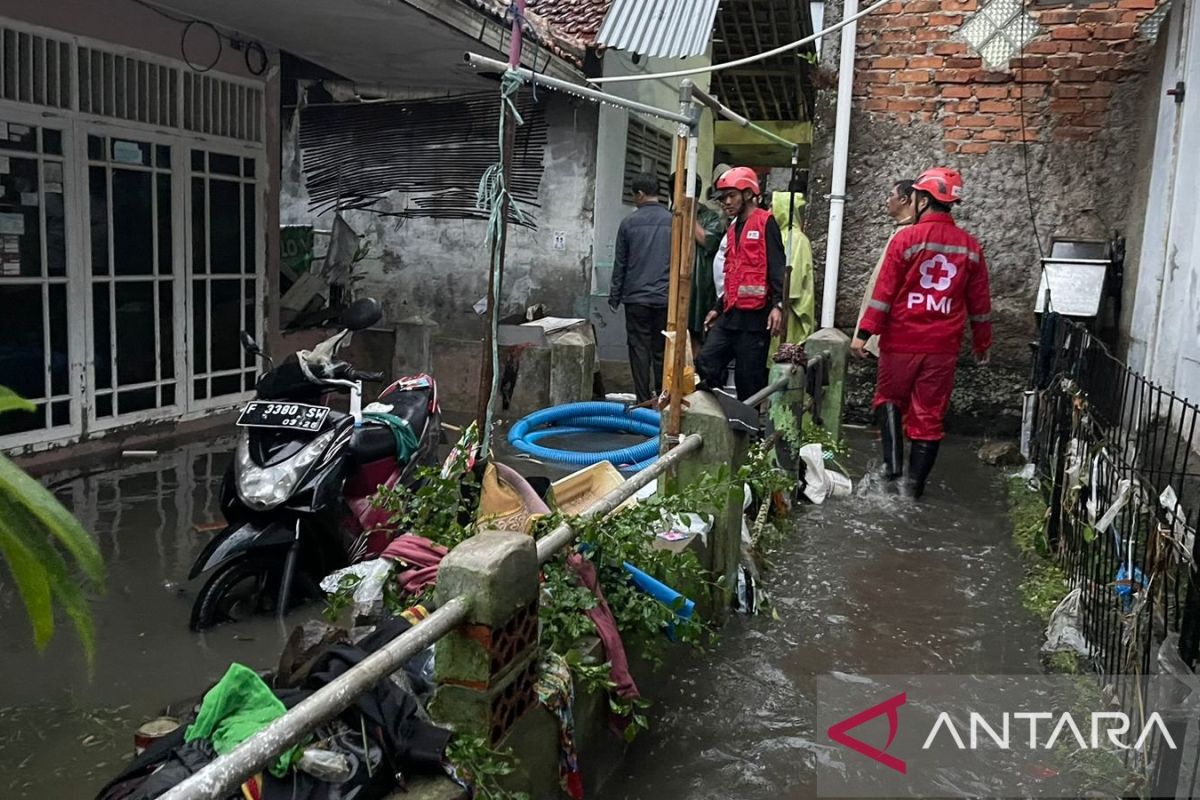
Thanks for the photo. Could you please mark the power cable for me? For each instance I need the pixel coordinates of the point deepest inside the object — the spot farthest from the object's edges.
(245, 45)
(679, 73)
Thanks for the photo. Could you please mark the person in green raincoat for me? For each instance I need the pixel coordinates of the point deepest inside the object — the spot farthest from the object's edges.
(710, 228)
(800, 321)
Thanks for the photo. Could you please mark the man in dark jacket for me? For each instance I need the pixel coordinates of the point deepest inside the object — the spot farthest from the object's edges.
(640, 278)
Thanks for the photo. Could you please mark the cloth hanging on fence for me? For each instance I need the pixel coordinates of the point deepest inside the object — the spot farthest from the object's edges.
(606, 628)
(556, 692)
(417, 560)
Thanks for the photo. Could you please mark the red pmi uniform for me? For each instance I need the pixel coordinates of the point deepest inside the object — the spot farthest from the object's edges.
(933, 280)
(746, 263)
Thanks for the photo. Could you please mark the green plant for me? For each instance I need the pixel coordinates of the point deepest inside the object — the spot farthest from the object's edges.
(482, 767)
(46, 550)
(1044, 584)
(439, 505)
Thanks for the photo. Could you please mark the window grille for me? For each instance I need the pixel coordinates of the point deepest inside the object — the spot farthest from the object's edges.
(34, 69)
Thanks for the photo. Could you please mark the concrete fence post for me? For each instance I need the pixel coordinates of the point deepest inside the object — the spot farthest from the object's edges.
(835, 346)
(485, 669)
(785, 411)
(722, 448)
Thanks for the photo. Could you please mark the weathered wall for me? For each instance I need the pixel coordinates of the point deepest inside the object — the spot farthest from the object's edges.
(612, 197)
(435, 270)
(922, 98)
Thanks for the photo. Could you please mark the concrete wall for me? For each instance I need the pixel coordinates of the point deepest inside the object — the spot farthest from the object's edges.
(612, 197)
(923, 98)
(435, 270)
(1165, 294)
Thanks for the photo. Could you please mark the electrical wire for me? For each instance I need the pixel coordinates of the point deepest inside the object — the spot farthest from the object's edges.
(679, 73)
(1037, 237)
(237, 44)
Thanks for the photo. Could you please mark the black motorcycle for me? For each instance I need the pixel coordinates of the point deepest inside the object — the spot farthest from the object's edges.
(297, 497)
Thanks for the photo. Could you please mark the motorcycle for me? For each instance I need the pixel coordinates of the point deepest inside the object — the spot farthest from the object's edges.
(297, 498)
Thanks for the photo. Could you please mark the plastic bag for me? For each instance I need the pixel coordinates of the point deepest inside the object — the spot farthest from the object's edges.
(1063, 634)
(368, 594)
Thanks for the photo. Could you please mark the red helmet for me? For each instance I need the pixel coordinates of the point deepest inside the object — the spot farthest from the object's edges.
(739, 178)
(943, 184)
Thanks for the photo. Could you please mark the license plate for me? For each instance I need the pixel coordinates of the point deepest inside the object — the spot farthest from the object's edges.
(291, 416)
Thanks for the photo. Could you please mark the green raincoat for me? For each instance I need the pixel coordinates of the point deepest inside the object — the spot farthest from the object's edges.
(704, 293)
(800, 318)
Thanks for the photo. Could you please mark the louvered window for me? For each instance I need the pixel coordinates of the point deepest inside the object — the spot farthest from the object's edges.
(34, 69)
(647, 149)
(124, 87)
(222, 108)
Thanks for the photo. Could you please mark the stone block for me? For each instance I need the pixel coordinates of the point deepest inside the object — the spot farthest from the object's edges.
(722, 448)
(498, 568)
(785, 411)
(488, 713)
(835, 345)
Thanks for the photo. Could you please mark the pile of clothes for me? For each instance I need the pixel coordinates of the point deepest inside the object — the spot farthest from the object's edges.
(364, 753)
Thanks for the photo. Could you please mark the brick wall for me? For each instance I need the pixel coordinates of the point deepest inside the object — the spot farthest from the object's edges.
(910, 67)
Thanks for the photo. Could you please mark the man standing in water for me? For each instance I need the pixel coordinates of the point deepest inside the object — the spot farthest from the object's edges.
(932, 281)
(750, 311)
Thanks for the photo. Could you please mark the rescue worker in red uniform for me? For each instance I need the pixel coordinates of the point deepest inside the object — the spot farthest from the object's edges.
(932, 282)
(749, 310)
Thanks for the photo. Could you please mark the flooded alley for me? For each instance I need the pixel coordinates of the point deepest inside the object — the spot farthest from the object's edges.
(64, 736)
(869, 585)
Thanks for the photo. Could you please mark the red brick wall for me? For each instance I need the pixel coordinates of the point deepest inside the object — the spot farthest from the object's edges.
(910, 68)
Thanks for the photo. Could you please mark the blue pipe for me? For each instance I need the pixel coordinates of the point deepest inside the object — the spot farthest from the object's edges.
(578, 418)
(660, 592)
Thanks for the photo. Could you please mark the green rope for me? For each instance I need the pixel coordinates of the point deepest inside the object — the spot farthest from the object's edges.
(490, 197)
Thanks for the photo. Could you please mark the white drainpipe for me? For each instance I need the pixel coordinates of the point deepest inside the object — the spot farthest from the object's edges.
(841, 151)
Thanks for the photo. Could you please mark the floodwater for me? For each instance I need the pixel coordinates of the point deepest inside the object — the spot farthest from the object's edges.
(868, 585)
(64, 736)
(865, 585)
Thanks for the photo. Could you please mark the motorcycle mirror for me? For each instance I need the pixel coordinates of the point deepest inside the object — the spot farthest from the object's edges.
(249, 345)
(361, 314)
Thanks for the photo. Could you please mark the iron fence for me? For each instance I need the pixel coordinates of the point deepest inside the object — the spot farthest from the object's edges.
(1116, 453)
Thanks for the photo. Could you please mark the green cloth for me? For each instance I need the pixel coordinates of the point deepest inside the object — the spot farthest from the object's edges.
(704, 292)
(406, 439)
(239, 706)
(801, 318)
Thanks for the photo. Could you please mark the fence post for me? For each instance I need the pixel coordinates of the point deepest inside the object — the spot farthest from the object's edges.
(485, 669)
(785, 411)
(722, 448)
(835, 347)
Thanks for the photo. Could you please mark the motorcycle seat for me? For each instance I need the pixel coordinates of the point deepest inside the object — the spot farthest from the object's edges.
(372, 442)
(410, 405)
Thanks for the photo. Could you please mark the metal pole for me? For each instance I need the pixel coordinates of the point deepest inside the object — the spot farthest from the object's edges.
(779, 385)
(223, 776)
(538, 79)
(549, 545)
(724, 111)
(841, 151)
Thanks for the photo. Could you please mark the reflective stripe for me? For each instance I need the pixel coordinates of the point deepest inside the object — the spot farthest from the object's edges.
(752, 291)
(947, 249)
(980, 318)
(879, 305)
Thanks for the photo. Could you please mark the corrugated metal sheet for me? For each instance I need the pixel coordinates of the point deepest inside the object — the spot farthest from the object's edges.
(435, 151)
(659, 28)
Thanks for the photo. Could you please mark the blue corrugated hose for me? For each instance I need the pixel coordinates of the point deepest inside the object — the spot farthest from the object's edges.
(591, 417)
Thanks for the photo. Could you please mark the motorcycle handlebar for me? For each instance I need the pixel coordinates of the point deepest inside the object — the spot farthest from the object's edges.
(365, 376)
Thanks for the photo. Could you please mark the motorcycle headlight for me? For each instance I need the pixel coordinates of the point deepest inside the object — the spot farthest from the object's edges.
(264, 488)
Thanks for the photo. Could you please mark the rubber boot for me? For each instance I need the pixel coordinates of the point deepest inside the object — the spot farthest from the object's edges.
(891, 435)
(920, 464)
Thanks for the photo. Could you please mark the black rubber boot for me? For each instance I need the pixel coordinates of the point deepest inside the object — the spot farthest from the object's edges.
(891, 436)
(920, 464)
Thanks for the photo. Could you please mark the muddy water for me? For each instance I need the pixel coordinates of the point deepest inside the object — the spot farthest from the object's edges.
(62, 735)
(865, 585)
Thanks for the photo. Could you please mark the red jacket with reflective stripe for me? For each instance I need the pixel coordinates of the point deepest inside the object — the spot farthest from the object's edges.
(746, 263)
(933, 280)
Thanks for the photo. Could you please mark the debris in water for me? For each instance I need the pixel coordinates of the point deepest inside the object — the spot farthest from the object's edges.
(1001, 454)
(139, 453)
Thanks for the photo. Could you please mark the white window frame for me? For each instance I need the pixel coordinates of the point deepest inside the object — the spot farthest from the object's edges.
(75, 126)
